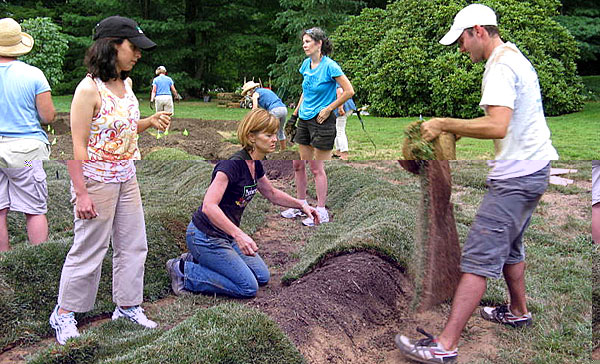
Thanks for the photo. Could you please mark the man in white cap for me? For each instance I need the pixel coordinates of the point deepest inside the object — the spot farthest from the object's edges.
(163, 89)
(514, 118)
(25, 101)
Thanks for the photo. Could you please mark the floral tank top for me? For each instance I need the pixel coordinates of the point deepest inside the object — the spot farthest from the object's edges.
(112, 145)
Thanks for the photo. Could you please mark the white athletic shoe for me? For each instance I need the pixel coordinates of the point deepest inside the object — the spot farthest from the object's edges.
(323, 218)
(65, 326)
(135, 314)
(292, 213)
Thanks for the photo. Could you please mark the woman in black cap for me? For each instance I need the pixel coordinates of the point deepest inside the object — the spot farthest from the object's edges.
(105, 122)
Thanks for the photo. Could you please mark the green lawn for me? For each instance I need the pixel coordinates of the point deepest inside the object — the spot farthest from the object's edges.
(572, 134)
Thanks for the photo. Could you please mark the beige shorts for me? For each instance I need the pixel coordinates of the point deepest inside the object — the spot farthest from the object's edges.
(17, 152)
(24, 189)
(164, 103)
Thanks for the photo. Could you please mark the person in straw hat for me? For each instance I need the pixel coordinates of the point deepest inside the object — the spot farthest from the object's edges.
(163, 89)
(25, 101)
(268, 100)
(514, 117)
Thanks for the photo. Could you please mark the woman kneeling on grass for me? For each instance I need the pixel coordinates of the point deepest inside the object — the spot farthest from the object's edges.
(105, 122)
(222, 258)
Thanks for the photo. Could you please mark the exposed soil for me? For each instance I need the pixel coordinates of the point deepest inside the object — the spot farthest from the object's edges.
(210, 139)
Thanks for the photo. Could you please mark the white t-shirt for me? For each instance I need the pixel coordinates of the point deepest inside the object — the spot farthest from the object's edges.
(595, 182)
(510, 80)
(512, 169)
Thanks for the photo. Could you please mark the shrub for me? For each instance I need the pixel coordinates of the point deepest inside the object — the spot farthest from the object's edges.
(49, 48)
(397, 65)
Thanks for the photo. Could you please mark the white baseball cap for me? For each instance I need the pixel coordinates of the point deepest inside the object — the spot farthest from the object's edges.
(468, 17)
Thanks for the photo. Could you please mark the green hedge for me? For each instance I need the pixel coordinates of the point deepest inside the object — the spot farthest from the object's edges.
(397, 65)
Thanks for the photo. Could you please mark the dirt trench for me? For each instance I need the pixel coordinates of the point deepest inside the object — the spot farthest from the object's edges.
(209, 139)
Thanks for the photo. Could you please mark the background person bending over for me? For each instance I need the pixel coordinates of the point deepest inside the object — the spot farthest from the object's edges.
(25, 101)
(24, 190)
(163, 89)
(222, 258)
(268, 100)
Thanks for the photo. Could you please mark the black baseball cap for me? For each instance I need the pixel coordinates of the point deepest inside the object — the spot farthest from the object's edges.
(121, 27)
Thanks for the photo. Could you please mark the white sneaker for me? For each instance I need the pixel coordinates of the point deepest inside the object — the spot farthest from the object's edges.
(135, 314)
(323, 218)
(65, 326)
(292, 213)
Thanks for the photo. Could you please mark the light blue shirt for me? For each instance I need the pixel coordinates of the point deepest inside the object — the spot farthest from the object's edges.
(163, 85)
(268, 100)
(347, 106)
(318, 86)
(20, 83)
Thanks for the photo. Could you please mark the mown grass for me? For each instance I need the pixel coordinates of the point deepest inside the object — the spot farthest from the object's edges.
(572, 134)
(373, 207)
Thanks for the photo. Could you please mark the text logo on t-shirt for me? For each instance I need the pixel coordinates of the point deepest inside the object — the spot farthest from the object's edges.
(247, 195)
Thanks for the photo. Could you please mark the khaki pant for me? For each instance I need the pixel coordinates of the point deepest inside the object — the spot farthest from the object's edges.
(164, 103)
(120, 219)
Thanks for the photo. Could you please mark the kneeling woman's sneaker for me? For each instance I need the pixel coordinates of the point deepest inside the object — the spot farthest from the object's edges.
(502, 314)
(426, 350)
(135, 314)
(65, 326)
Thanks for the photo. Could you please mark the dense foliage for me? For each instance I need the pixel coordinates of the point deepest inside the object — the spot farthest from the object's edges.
(582, 19)
(396, 64)
(208, 45)
(49, 48)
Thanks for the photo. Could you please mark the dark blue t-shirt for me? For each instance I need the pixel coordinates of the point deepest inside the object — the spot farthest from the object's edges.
(239, 192)
(268, 100)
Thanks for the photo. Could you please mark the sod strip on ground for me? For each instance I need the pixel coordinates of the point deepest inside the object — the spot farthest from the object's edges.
(226, 333)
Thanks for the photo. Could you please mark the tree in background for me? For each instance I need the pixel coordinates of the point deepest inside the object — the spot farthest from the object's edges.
(397, 65)
(582, 19)
(296, 16)
(49, 48)
(204, 45)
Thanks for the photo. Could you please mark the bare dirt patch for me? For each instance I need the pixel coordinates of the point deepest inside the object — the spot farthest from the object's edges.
(205, 139)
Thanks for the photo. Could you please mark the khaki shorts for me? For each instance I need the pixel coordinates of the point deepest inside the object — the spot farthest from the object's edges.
(24, 189)
(17, 152)
(164, 103)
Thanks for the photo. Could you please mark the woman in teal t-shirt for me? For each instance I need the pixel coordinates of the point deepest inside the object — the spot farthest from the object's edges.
(316, 128)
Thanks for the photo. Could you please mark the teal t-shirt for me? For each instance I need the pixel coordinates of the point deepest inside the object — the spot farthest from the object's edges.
(318, 86)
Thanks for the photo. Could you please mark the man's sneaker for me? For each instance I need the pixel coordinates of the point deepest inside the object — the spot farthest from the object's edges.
(135, 314)
(292, 213)
(177, 282)
(65, 326)
(323, 218)
(502, 314)
(426, 350)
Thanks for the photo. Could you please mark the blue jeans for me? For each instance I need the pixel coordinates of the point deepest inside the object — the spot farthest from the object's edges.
(220, 267)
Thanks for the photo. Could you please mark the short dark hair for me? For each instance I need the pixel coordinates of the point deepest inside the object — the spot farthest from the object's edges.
(318, 34)
(101, 59)
(492, 30)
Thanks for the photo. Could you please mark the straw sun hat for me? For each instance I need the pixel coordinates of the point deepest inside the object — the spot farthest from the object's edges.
(249, 86)
(13, 42)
